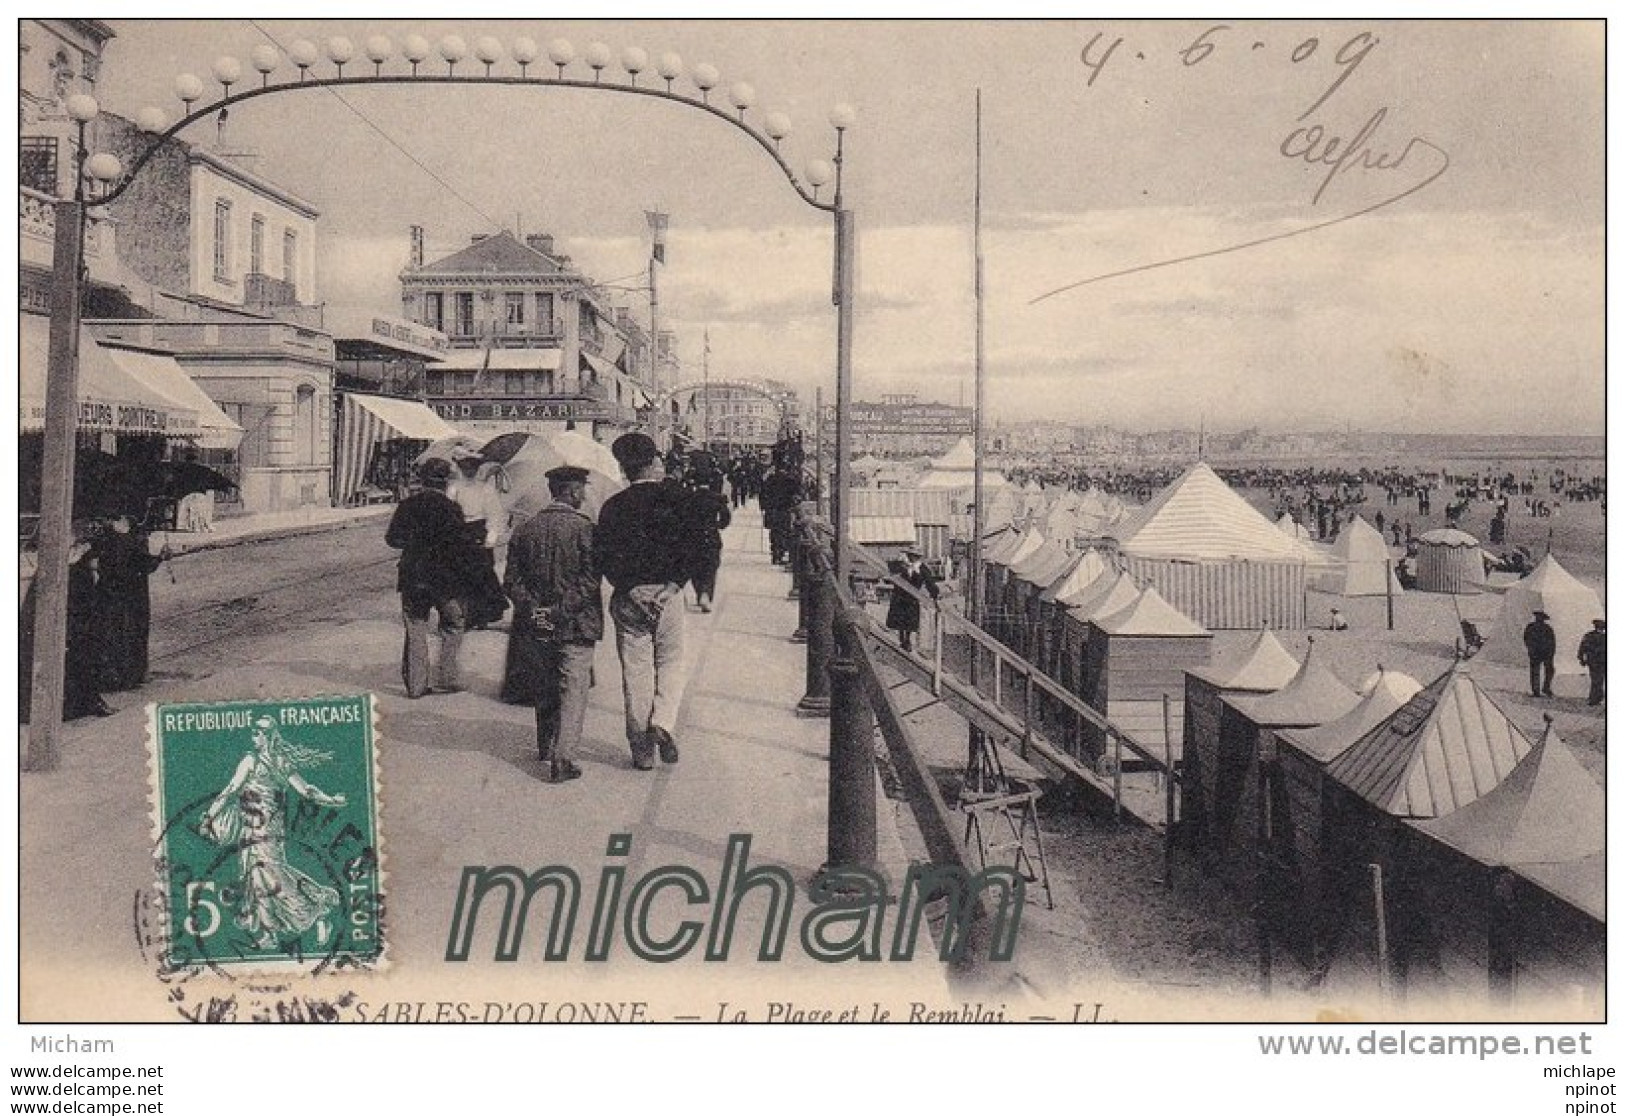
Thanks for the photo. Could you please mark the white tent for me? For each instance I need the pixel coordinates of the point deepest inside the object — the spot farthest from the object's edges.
(1571, 605)
(1362, 563)
(957, 469)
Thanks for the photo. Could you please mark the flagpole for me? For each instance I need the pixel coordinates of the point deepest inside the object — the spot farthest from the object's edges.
(979, 514)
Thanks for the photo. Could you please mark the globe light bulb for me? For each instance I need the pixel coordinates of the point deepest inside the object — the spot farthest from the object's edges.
(671, 66)
(843, 116)
(488, 49)
(599, 55)
(525, 50)
(561, 52)
(340, 50)
(742, 94)
(453, 49)
(706, 76)
(416, 48)
(304, 53)
(188, 87)
(228, 71)
(777, 125)
(379, 48)
(152, 119)
(265, 58)
(83, 107)
(634, 60)
(103, 167)
(819, 172)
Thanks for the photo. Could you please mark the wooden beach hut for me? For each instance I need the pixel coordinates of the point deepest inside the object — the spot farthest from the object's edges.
(1512, 884)
(1247, 727)
(1028, 579)
(1444, 749)
(1111, 591)
(1061, 594)
(1135, 656)
(1259, 666)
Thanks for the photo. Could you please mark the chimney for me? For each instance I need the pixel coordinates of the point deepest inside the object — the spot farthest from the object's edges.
(540, 242)
(416, 259)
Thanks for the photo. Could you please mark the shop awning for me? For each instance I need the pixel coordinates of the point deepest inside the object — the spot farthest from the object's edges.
(109, 398)
(215, 429)
(365, 421)
(502, 360)
(605, 369)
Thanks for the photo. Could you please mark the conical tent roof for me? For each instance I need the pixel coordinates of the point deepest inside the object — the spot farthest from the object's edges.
(1387, 693)
(1067, 589)
(1149, 615)
(1051, 556)
(1448, 746)
(1364, 562)
(1291, 527)
(1261, 666)
(1005, 546)
(1116, 593)
(1314, 696)
(1031, 539)
(962, 455)
(1571, 604)
(1548, 810)
(1199, 516)
(957, 469)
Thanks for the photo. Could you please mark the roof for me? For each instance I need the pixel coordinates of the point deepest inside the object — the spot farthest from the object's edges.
(1261, 666)
(1044, 564)
(1199, 516)
(1444, 748)
(962, 455)
(1110, 595)
(1386, 694)
(497, 253)
(1149, 615)
(1548, 810)
(1029, 541)
(1314, 696)
(1583, 883)
(933, 505)
(501, 360)
(873, 529)
(1070, 586)
(1447, 536)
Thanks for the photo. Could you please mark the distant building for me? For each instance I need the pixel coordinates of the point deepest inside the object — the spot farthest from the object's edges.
(733, 414)
(532, 343)
(902, 426)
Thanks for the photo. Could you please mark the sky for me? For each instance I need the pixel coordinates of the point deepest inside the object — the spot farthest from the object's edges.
(1384, 225)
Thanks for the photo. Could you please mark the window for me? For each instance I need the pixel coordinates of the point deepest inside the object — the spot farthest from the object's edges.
(222, 240)
(290, 257)
(515, 303)
(306, 429)
(434, 310)
(256, 245)
(434, 383)
(465, 313)
(513, 383)
(544, 313)
(36, 163)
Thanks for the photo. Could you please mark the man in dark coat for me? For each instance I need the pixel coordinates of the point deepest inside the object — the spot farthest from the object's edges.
(903, 613)
(709, 516)
(1594, 657)
(427, 529)
(780, 492)
(1541, 642)
(559, 609)
(643, 547)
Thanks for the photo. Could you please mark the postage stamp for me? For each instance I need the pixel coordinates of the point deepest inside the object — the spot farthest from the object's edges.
(267, 840)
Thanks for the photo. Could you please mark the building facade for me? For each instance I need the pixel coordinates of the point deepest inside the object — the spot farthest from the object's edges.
(732, 414)
(532, 343)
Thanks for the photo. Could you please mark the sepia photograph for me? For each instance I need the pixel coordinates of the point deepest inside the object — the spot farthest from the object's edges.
(813, 521)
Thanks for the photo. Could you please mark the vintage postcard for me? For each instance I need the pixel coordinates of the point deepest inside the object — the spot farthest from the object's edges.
(841, 521)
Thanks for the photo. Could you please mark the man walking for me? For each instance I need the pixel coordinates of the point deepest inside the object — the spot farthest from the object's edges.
(1594, 657)
(643, 547)
(559, 607)
(1541, 642)
(427, 529)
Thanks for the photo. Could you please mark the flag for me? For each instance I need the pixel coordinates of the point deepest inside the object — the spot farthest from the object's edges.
(657, 230)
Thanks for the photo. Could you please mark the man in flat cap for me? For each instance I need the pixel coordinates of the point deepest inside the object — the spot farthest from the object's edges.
(1540, 640)
(1594, 657)
(559, 610)
(435, 576)
(644, 547)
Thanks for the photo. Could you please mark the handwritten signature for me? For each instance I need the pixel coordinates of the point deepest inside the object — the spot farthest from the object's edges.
(1314, 145)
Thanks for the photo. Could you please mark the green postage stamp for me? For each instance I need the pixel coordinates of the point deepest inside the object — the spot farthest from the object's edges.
(266, 815)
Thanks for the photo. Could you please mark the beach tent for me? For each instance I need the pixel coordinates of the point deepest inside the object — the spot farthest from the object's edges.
(1057, 597)
(1570, 603)
(1298, 819)
(1449, 561)
(1258, 666)
(957, 469)
(1513, 883)
(1362, 565)
(1248, 724)
(1291, 528)
(1136, 655)
(998, 577)
(1110, 592)
(1028, 579)
(1213, 555)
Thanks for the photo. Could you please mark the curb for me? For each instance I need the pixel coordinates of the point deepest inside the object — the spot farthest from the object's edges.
(269, 534)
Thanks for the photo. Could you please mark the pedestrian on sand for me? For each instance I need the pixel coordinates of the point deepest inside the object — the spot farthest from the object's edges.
(1541, 642)
(435, 576)
(559, 609)
(1594, 657)
(643, 547)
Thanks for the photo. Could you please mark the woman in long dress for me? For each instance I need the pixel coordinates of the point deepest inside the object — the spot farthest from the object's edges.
(276, 900)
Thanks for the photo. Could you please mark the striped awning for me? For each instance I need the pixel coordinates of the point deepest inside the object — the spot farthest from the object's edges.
(109, 398)
(367, 421)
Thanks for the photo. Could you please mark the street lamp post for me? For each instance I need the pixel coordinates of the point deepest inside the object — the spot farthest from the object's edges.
(56, 495)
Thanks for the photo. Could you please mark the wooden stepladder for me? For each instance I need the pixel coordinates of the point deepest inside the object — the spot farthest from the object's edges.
(1001, 815)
